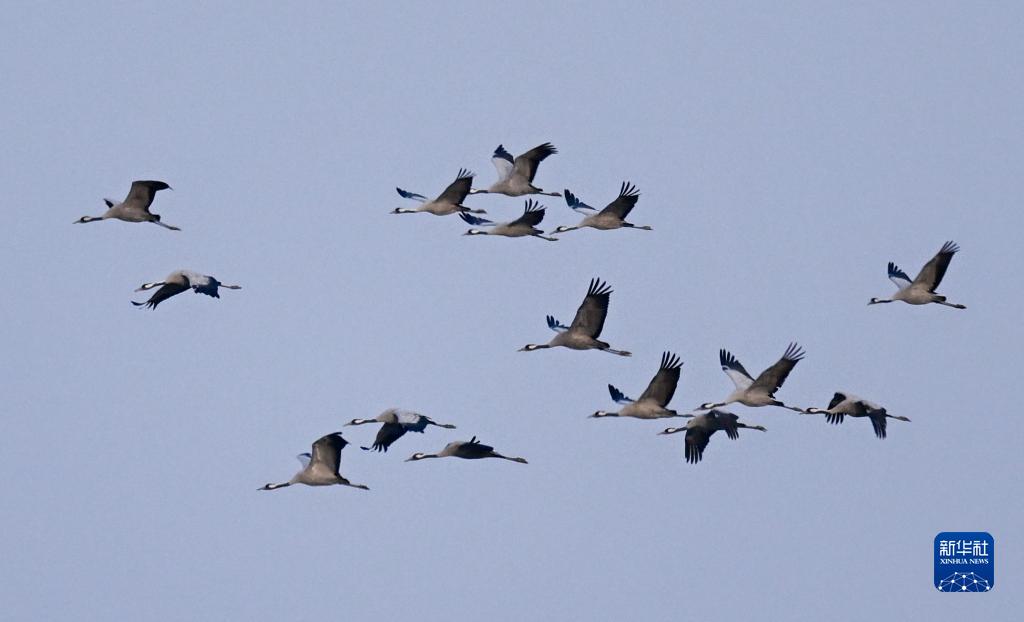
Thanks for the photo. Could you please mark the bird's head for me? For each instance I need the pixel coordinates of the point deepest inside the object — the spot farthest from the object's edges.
(814, 411)
(357, 422)
(603, 413)
(418, 456)
(84, 219)
(402, 210)
(146, 286)
(475, 232)
(672, 430)
(706, 406)
(563, 229)
(530, 347)
(875, 301)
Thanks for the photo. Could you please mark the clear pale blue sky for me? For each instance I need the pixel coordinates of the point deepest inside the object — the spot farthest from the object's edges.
(784, 155)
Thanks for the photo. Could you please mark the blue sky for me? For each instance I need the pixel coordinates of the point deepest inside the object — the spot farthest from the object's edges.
(784, 155)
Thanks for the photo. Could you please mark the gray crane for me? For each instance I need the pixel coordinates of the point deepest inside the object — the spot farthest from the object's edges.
(181, 281)
(921, 290)
(448, 202)
(654, 400)
(848, 405)
(759, 392)
(586, 327)
(515, 175)
(469, 450)
(700, 428)
(613, 216)
(525, 225)
(135, 207)
(396, 424)
(321, 467)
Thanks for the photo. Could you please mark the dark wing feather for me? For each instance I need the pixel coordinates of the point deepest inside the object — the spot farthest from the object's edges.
(696, 441)
(837, 399)
(166, 291)
(931, 274)
(526, 164)
(532, 215)
(327, 451)
(877, 418)
(772, 378)
(663, 385)
(624, 204)
(474, 449)
(386, 435)
(458, 190)
(727, 421)
(729, 361)
(590, 316)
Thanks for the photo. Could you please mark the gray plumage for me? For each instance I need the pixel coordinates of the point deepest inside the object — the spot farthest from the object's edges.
(586, 327)
(759, 392)
(525, 225)
(654, 400)
(848, 405)
(921, 290)
(181, 281)
(700, 428)
(321, 466)
(446, 203)
(135, 207)
(468, 450)
(396, 424)
(613, 216)
(515, 175)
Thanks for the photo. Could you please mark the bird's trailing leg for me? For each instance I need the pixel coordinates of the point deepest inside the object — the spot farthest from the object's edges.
(619, 352)
(165, 226)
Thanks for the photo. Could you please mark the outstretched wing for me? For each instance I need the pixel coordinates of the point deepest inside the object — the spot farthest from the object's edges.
(574, 202)
(405, 194)
(458, 190)
(142, 193)
(386, 435)
(837, 399)
(532, 215)
(503, 162)
(590, 316)
(696, 442)
(475, 220)
(899, 277)
(327, 451)
(663, 385)
(877, 417)
(732, 368)
(618, 397)
(555, 325)
(475, 448)
(727, 421)
(526, 164)
(166, 291)
(624, 204)
(772, 378)
(931, 274)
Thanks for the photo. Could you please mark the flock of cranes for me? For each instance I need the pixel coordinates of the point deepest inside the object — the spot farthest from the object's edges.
(516, 176)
